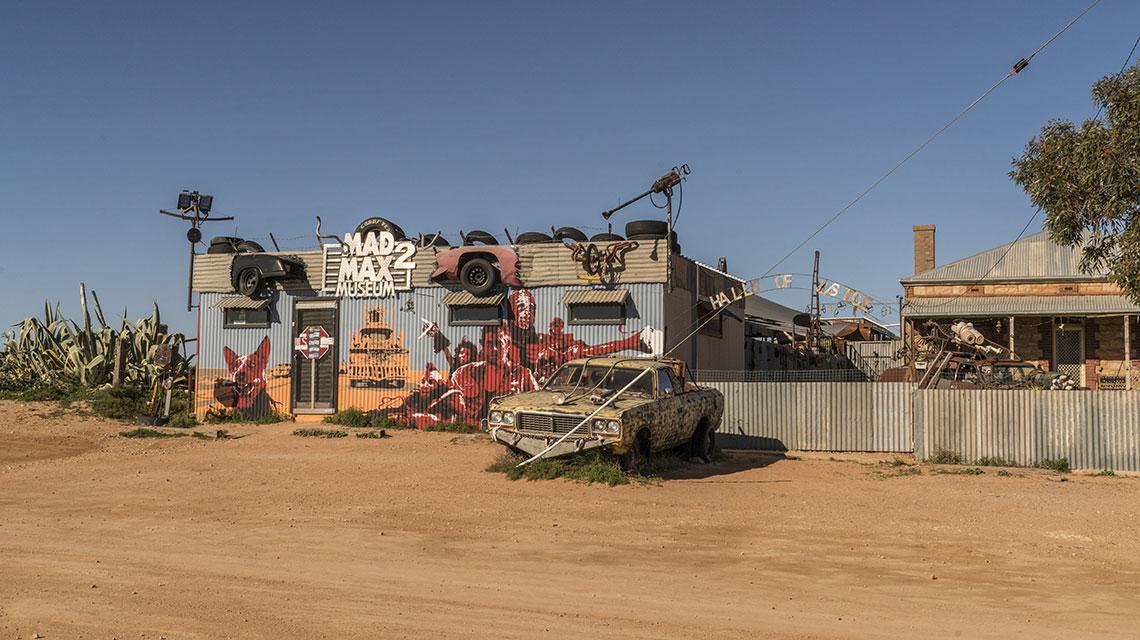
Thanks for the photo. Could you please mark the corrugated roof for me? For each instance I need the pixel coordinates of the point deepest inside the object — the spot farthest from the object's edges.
(466, 299)
(595, 296)
(241, 302)
(965, 306)
(1034, 257)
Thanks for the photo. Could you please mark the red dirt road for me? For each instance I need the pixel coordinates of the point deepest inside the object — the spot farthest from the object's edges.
(276, 536)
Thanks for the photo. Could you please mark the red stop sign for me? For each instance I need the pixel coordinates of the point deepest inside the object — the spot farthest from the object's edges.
(314, 342)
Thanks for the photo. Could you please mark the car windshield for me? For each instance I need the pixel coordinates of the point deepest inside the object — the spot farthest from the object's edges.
(575, 376)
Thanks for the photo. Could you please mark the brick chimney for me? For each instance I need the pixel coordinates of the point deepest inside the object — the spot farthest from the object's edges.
(923, 247)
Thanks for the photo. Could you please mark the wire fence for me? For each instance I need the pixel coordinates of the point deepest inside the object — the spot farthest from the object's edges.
(806, 375)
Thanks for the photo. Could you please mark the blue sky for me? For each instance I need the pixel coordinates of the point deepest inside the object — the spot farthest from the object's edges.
(448, 116)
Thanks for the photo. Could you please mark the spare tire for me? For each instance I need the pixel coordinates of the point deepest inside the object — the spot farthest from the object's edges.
(376, 225)
(226, 240)
(479, 236)
(221, 248)
(606, 237)
(569, 233)
(656, 228)
(532, 237)
(653, 236)
(249, 246)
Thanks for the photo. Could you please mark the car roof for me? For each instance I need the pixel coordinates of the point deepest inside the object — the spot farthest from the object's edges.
(622, 363)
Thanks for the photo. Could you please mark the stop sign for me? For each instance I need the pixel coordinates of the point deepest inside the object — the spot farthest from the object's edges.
(314, 342)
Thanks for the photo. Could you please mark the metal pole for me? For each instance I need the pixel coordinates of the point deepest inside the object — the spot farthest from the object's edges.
(1127, 353)
(1011, 332)
(669, 241)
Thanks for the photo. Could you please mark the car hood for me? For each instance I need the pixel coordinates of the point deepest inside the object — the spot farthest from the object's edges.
(577, 404)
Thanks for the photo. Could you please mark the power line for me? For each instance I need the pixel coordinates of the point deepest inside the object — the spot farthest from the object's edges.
(1017, 67)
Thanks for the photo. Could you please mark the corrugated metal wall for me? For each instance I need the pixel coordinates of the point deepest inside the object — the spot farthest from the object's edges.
(815, 416)
(872, 357)
(1092, 429)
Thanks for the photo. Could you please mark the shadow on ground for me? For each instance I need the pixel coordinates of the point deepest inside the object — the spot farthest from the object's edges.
(725, 463)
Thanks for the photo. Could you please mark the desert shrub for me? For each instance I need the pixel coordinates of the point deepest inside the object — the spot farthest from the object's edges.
(351, 417)
(320, 433)
(182, 421)
(588, 466)
(994, 461)
(143, 432)
(1056, 464)
(453, 427)
(945, 456)
(124, 402)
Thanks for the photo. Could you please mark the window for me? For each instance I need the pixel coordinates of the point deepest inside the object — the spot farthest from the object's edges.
(709, 320)
(596, 306)
(597, 313)
(664, 383)
(465, 309)
(476, 314)
(243, 318)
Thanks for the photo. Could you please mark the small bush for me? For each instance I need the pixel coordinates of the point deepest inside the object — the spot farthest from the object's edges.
(270, 418)
(1103, 472)
(896, 462)
(945, 456)
(453, 427)
(588, 466)
(384, 422)
(351, 417)
(143, 432)
(994, 461)
(320, 433)
(222, 416)
(202, 436)
(371, 435)
(123, 402)
(182, 421)
(1056, 464)
(1004, 473)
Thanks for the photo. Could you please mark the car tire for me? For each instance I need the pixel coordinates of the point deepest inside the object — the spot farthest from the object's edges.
(432, 240)
(570, 233)
(220, 248)
(376, 225)
(655, 228)
(249, 281)
(479, 236)
(636, 459)
(533, 237)
(703, 443)
(606, 237)
(478, 276)
(249, 246)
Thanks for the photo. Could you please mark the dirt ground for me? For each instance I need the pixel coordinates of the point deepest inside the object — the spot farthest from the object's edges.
(270, 535)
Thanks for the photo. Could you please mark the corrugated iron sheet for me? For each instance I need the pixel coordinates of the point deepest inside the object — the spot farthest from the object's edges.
(1092, 429)
(872, 357)
(1034, 257)
(595, 296)
(240, 302)
(966, 306)
(816, 416)
(465, 298)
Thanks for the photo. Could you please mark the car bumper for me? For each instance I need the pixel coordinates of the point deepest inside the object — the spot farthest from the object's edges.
(534, 445)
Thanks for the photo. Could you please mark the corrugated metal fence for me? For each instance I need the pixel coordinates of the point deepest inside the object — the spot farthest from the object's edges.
(816, 416)
(1091, 429)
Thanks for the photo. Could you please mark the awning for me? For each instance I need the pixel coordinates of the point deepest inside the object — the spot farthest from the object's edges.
(595, 296)
(999, 306)
(240, 302)
(466, 299)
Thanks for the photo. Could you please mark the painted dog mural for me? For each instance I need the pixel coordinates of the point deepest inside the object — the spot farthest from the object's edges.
(244, 389)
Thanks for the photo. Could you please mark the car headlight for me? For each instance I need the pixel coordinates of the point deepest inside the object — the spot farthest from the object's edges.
(496, 417)
(509, 418)
(606, 427)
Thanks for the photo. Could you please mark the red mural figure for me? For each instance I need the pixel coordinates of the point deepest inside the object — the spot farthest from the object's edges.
(431, 403)
(244, 390)
(497, 374)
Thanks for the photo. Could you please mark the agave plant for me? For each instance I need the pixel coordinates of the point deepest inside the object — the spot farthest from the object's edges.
(57, 351)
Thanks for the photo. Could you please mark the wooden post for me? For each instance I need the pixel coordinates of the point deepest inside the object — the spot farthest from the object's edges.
(120, 370)
(1011, 325)
(1127, 353)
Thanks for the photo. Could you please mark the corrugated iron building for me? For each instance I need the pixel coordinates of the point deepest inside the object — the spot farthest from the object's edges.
(1032, 296)
(422, 350)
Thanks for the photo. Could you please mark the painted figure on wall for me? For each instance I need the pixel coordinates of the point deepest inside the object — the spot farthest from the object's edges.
(244, 390)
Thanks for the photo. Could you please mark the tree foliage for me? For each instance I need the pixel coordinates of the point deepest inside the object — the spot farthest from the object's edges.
(1087, 180)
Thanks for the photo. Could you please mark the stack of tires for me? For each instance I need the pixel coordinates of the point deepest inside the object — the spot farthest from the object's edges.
(651, 230)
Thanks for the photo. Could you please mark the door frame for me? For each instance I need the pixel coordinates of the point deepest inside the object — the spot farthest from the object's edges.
(1076, 325)
(294, 378)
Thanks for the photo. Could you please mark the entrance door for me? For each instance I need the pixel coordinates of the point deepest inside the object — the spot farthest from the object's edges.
(1069, 349)
(314, 356)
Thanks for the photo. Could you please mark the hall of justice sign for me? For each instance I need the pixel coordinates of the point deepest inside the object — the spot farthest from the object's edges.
(373, 266)
(833, 289)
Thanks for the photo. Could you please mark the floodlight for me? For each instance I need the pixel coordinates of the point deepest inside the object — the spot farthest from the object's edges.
(204, 203)
(185, 199)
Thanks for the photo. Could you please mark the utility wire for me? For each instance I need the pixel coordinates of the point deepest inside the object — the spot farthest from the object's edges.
(1017, 67)
(1021, 64)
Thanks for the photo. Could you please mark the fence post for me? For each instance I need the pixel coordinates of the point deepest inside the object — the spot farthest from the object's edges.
(120, 370)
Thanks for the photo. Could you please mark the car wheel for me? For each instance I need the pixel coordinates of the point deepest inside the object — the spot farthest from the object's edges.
(249, 281)
(478, 276)
(636, 460)
(479, 236)
(703, 442)
(376, 225)
(656, 228)
(249, 246)
(592, 261)
(606, 237)
(532, 237)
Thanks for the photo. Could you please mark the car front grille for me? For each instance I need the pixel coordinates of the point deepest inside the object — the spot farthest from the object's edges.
(551, 424)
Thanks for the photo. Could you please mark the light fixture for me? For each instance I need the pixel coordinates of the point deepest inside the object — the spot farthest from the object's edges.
(185, 200)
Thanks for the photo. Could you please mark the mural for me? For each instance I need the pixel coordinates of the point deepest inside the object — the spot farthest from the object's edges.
(510, 358)
(244, 390)
(376, 355)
